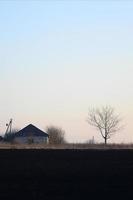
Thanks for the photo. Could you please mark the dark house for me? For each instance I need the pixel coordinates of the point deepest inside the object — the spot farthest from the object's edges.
(31, 134)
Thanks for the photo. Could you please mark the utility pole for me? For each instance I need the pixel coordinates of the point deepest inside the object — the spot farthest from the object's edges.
(9, 127)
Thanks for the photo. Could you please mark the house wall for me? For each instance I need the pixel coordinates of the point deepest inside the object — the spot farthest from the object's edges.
(32, 139)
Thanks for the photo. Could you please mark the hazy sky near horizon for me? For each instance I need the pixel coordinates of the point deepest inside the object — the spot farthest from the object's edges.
(58, 58)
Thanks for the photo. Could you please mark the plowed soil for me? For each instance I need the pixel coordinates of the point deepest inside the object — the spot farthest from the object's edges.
(66, 174)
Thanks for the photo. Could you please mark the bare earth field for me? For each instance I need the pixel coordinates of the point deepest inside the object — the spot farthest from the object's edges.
(66, 174)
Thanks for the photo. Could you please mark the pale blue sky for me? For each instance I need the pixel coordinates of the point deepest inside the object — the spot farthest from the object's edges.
(58, 58)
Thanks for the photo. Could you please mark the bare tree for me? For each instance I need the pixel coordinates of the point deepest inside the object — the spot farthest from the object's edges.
(56, 135)
(9, 137)
(105, 120)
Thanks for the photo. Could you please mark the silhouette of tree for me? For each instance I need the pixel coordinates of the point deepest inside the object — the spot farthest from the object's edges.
(9, 137)
(105, 120)
(56, 135)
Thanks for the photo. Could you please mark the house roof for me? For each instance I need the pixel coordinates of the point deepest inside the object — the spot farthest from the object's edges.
(30, 130)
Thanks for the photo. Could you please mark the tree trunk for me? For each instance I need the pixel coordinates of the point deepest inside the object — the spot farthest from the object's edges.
(105, 140)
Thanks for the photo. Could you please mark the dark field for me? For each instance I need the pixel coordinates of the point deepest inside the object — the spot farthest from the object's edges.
(66, 174)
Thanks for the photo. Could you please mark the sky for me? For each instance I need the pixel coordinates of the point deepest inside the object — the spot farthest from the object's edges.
(59, 58)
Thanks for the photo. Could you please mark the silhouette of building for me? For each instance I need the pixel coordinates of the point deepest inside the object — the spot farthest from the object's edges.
(31, 134)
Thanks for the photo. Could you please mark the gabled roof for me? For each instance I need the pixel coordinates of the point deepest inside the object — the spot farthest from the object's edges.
(30, 130)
